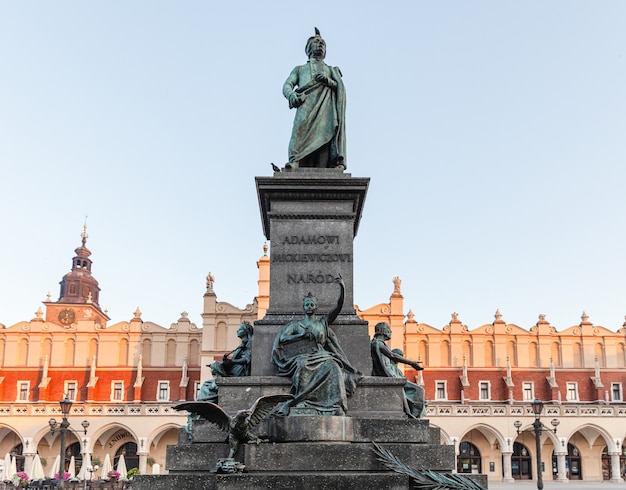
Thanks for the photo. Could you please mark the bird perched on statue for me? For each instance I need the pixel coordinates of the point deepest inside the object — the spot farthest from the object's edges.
(275, 168)
(239, 425)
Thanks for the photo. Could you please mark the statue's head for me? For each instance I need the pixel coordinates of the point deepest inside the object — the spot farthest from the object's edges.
(383, 329)
(316, 45)
(400, 352)
(245, 330)
(309, 303)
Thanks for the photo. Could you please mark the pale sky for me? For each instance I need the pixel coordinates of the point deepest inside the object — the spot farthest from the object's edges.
(494, 134)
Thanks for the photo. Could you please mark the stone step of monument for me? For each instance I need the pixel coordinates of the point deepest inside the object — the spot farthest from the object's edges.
(308, 456)
(277, 481)
(407, 430)
(319, 456)
(317, 428)
(379, 396)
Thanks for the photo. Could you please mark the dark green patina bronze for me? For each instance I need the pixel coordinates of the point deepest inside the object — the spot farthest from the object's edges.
(317, 93)
(237, 362)
(385, 363)
(308, 352)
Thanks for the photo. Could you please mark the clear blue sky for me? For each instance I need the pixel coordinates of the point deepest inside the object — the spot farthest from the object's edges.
(494, 134)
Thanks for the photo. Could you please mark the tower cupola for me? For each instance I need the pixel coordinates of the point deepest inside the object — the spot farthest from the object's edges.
(78, 285)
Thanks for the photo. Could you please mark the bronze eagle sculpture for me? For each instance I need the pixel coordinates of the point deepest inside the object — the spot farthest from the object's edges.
(239, 425)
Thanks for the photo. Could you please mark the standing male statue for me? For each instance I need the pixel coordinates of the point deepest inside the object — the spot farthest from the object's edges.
(317, 93)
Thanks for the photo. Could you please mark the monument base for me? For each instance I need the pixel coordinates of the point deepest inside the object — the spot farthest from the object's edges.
(313, 452)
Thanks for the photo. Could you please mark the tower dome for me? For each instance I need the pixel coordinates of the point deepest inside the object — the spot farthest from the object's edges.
(78, 285)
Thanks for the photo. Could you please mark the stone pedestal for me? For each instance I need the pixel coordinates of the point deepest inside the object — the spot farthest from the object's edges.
(311, 217)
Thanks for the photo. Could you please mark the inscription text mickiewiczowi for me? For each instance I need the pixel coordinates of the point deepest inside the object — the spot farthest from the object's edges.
(325, 257)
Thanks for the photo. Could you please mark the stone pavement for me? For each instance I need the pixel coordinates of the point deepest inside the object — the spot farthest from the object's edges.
(552, 485)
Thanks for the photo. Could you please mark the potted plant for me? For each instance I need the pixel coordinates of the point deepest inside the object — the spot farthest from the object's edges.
(132, 472)
(20, 479)
(66, 476)
(113, 475)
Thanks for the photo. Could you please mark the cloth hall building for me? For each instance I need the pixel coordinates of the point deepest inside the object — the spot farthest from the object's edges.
(124, 378)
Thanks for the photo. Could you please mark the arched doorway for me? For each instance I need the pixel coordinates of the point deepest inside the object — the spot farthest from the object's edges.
(469, 460)
(607, 468)
(17, 453)
(521, 467)
(73, 450)
(129, 450)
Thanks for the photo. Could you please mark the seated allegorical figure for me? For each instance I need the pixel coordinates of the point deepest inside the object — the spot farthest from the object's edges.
(307, 351)
(237, 362)
(208, 393)
(385, 363)
(233, 364)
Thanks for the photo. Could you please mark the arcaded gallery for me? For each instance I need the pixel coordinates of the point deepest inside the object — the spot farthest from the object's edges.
(482, 383)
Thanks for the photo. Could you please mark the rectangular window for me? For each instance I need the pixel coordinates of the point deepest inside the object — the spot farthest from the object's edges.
(117, 391)
(70, 390)
(196, 389)
(616, 392)
(440, 390)
(23, 391)
(572, 392)
(484, 388)
(163, 394)
(528, 391)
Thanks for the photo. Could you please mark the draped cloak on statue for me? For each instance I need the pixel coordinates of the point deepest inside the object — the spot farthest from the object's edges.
(320, 120)
(308, 352)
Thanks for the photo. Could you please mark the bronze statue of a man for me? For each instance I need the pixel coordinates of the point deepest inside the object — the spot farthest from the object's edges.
(317, 93)
(384, 363)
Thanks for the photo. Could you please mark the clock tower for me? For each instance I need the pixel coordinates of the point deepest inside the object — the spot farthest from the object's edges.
(79, 292)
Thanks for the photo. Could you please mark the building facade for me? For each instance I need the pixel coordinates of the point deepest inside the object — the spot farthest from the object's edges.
(122, 379)
(125, 377)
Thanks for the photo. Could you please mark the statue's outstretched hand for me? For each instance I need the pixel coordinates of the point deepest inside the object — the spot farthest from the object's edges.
(417, 366)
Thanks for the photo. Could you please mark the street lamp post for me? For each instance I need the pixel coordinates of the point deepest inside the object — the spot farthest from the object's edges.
(538, 428)
(66, 405)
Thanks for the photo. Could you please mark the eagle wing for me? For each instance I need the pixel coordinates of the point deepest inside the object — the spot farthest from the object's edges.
(207, 411)
(264, 405)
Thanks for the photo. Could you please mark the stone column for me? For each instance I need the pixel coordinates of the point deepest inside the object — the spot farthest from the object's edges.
(142, 452)
(615, 468)
(507, 474)
(560, 467)
(143, 462)
(456, 441)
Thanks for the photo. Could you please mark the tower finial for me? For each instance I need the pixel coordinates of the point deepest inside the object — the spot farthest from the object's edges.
(84, 233)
